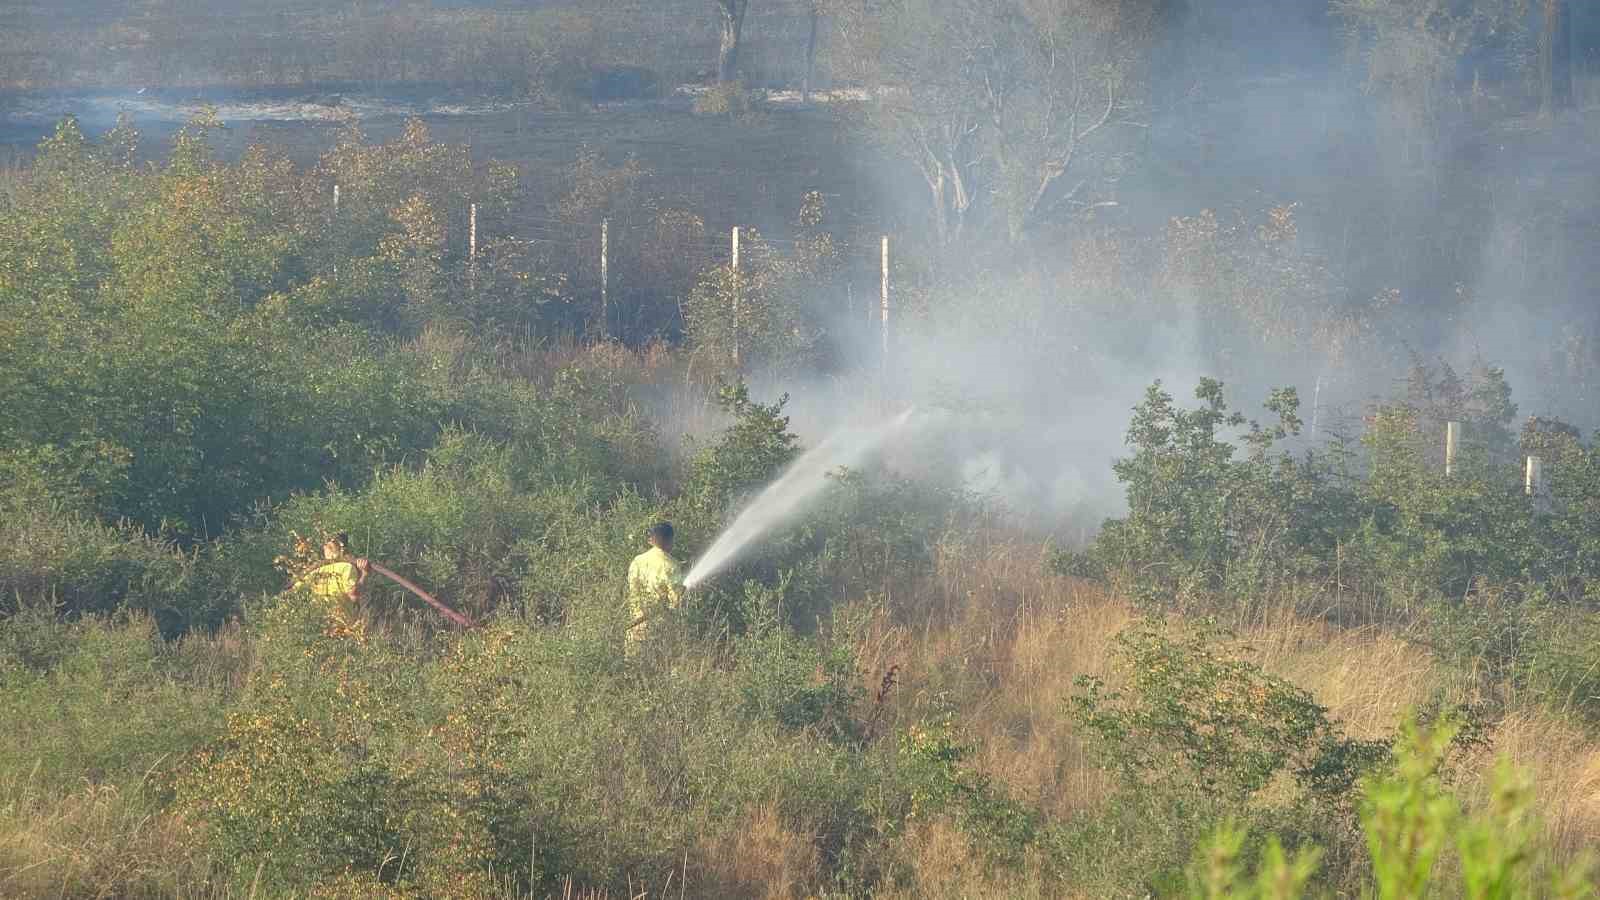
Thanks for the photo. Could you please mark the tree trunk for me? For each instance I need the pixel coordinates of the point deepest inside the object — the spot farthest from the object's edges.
(811, 55)
(728, 51)
(1555, 57)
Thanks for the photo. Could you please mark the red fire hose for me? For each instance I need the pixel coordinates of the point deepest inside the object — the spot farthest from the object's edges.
(446, 611)
(421, 594)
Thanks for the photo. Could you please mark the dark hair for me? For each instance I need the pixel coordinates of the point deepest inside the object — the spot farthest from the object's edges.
(661, 531)
(343, 537)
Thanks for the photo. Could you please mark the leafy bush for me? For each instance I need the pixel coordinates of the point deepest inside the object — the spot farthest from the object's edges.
(1230, 727)
(1201, 521)
(756, 446)
(55, 553)
(520, 753)
(299, 774)
(1411, 823)
(195, 330)
(762, 316)
(930, 768)
(80, 566)
(102, 700)
(1383, 521)
(1541, 649)
(1198, 735)
(796, 683)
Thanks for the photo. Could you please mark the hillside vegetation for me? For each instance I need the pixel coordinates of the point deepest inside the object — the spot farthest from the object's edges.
(1288, 669)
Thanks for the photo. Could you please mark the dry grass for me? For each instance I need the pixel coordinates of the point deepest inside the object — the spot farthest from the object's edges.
(1564, 762)
(941, 862)
(1368, 679)
(1022, 637)
(760, 857)
(99, 841)
(988, 630)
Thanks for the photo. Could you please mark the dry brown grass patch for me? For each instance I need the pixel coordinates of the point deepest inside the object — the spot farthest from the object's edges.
(1368, 679)
(760, 857)
(98, 841)
(939, 862)
(1564, 762)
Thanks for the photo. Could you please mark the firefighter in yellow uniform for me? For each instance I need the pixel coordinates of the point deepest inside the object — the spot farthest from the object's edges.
(338, 581)
(655, 584)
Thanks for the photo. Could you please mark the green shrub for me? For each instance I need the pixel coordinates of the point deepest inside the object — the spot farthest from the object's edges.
(80, 478)
(478, 523)
(1199, 735)
(796, 683)
(1382, 521)
(1429, 534)
(1543, 650)
(931, 769)
(50, 553)
(761, 317)
(1199, 518)
(101, 700)
(201, 323)
(513, 752)
(1194, 714)
(301, 783)
(750, 452)
(1412, 824)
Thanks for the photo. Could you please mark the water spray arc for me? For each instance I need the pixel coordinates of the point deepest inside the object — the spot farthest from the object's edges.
(800, 484)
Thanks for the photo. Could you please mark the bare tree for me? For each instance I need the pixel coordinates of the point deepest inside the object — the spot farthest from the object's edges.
(815, 10)
(998, 101)
(1555, 56)
(1066, 72)
(732, 16)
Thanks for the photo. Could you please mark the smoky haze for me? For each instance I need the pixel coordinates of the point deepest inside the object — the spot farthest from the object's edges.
(1450, 217)
(1460, 234)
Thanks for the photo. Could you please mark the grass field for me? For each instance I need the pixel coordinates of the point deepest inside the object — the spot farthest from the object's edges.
(1003, 649)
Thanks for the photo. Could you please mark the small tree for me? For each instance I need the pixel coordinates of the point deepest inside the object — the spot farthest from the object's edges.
(731, 19)
(760, 316)
(1200, 520)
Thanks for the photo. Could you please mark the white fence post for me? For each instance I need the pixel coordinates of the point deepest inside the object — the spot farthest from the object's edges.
(884, 300)
(736, 292)
(605, 278)
(1452, 440)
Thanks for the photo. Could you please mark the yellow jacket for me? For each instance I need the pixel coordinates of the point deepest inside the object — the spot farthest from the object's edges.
(334, 585)
(334, 581)
(654, 579)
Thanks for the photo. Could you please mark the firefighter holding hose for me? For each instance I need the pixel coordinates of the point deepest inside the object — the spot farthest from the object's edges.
(655, 584)
(338, 581)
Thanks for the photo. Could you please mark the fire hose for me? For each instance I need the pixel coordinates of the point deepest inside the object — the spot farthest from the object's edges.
(421, 594)
(424, 596)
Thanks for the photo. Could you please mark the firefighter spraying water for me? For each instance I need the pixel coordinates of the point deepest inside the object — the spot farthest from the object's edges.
(655, 584)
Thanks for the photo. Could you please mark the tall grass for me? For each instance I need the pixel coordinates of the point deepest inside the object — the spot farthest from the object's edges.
(96, 840)
(987, 634)
(1019, 638)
